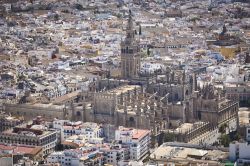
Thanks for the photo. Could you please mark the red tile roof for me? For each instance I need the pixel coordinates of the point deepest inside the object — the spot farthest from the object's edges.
(138, 134)
(19, 149)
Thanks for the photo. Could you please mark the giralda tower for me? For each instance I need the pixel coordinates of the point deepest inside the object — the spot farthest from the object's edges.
(130, 53)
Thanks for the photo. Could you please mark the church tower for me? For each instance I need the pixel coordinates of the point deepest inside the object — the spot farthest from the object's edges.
(130, 53)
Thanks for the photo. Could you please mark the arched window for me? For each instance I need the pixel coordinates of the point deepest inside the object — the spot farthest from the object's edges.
(176, 96)
(199, 115)
(78, 113)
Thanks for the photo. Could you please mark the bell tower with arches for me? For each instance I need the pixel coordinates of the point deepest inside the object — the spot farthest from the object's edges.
(130, 53)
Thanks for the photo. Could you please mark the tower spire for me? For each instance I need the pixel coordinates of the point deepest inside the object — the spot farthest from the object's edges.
(130, 33)
(130, 22)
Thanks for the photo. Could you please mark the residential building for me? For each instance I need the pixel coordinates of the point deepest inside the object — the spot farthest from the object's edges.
(239, 152)
(115, 154)
(6, 160)
(8, 121)
(176, 153)
(244, 120)
(19, 151)
(33, 133)
(88, 130)
(240, 91)
(138, 139)
(76, 157)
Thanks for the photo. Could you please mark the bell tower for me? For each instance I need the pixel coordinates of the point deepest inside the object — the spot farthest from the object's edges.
(130, 53)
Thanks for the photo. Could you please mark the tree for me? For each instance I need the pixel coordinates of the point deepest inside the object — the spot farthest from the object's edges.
(224, 140)
(56, 17)
(222, 128)
(78, 6)
(140, 30)
(148, 51)
(119, 15)
(144, 55)
(237, 136)
(169, 137)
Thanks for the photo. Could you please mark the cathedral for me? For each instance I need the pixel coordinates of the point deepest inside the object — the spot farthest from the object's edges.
(167, 102)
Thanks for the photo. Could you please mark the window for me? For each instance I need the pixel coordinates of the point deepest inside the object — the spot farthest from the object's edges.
(248, 131)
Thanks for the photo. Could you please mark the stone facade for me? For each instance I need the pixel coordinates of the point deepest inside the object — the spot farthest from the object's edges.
(129, 106)
(27, 134)
(7, 121)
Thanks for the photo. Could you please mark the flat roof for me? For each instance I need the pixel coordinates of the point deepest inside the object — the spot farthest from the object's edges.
(171, 152)
(66, 97)
(123, 89)
(244, 117)
(185, 127)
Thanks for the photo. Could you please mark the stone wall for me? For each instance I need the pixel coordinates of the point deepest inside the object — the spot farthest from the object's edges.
(32, 111)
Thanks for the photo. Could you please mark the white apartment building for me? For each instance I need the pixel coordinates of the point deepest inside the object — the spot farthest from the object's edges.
(116, 155)
(248, 133)
(76, 157)
(150, 68)
(239, 152)
(137, 139)
(88, 129)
